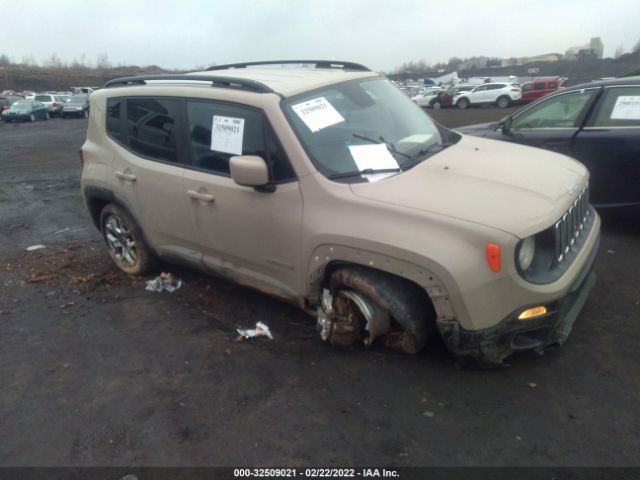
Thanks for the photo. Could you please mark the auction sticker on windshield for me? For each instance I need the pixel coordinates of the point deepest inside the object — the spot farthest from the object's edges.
(226, 134)
(627, 107)
(317, 114)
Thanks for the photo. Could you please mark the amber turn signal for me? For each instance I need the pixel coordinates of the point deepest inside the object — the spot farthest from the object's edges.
(493, 257)
(532, 312)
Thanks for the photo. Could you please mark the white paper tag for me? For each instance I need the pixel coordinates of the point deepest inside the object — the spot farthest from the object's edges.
(375, 156)
(626, 108)
(226, 134)
(317, 114)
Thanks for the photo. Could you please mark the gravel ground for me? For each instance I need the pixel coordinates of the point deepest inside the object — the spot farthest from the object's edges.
(97, 371)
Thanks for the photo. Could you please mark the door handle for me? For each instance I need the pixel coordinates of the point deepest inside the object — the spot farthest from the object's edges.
(203, 197)
(126, 176)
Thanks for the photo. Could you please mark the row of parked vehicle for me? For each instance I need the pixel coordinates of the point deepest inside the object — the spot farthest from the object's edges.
(502, 94)
(42, 106)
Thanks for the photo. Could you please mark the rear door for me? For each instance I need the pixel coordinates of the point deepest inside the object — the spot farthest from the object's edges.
(609, 146)
(251, 235)
(147, 171)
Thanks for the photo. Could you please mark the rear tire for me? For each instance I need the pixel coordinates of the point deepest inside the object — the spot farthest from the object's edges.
(32, 118)
(436, 106)
(85, 114)
(125, 241)
(407, 303)
(46, 115)
(462, 103)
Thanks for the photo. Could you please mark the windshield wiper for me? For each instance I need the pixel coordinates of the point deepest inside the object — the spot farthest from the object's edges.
(423, 153)
(392, 148)
(366, 171)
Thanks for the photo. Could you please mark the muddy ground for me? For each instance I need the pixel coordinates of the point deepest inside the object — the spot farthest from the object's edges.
(94, 370)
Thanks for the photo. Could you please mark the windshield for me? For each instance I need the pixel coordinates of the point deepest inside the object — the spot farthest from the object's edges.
(366, 125)
(43, 98)
(78, 99)
(22, 105)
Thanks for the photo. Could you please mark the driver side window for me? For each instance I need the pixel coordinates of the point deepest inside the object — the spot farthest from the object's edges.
(561, 111)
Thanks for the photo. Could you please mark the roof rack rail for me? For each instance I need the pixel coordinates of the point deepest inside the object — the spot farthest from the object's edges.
(328, 64)
(222, 82)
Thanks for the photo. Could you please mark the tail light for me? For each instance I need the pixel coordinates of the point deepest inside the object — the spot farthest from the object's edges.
(54, 104)
(81, 153)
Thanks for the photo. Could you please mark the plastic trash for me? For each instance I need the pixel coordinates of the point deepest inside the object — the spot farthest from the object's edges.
(165, 282)
(35, 247)
(261, 330)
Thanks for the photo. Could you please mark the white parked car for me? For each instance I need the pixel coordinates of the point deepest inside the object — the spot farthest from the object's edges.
(501, 94)
(423, 99)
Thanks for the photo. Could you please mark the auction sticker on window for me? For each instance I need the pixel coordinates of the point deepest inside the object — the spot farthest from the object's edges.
(627, 107)
(317, 114)
(226, 134)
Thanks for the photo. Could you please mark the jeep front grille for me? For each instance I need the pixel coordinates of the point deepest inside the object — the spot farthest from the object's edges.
(571, 225)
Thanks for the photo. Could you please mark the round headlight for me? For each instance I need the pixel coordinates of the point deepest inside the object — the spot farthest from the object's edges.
(526, 253)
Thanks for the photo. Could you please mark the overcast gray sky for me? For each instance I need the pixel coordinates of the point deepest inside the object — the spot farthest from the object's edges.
(381, 34)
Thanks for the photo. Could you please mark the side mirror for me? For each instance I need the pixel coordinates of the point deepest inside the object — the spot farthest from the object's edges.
(249, 170)
(505, 125)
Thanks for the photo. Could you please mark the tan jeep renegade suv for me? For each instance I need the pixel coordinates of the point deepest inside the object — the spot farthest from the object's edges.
(321, 183)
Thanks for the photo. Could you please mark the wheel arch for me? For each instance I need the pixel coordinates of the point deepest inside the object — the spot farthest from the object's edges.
(96, 198)
(326, 259)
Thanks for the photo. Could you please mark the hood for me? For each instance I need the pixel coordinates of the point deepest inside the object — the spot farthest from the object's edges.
(478, 129)
(519, 190)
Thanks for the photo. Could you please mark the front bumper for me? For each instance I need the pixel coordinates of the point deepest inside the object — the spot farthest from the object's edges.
(77, 112)
(17, 117)
(489, 347)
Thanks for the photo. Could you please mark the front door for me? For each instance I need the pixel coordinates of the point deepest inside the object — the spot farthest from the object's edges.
(250, 235)
(551, 124)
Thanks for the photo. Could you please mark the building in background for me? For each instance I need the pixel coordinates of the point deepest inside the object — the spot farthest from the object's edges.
(593, 49)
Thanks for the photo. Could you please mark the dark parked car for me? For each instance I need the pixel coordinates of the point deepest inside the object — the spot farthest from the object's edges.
(597, 124)
(26, 110)
(76, 106)
(444, 99)
(7, 100)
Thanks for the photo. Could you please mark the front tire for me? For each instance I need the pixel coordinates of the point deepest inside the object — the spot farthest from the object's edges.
(32, 118)
(436, 105)
(462, 103)
(125, 241)
(503, 102)
(412, 315)
(46, 115)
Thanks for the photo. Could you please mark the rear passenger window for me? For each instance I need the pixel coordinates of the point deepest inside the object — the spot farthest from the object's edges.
(553, 86)
(620, 107)
(114, 109)
(539, 86)
(151, 125)
(219, 131)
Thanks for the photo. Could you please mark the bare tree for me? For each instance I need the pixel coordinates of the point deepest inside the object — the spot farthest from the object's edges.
(102, 62)
(29, 61)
